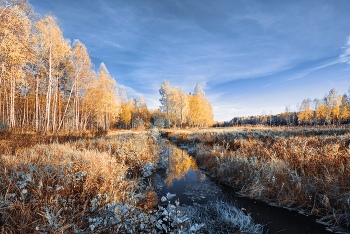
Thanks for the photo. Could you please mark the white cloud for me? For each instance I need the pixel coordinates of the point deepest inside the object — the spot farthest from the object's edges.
(132, 93)
(345, 56)
(152, 99)
(342, 58)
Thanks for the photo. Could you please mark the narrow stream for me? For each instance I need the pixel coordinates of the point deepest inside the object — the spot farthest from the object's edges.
(193, 185)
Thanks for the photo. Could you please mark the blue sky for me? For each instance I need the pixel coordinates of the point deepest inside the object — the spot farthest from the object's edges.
(249, 56)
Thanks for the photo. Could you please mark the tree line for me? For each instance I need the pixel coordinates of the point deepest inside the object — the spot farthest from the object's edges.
(332, 109)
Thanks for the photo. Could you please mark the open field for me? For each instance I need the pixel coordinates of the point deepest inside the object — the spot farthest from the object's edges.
(306, 169)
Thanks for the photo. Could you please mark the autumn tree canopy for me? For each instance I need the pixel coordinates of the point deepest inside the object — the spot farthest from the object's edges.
(180, 108)
(46, 83)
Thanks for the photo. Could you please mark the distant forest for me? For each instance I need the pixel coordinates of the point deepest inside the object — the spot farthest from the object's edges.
(332, 109)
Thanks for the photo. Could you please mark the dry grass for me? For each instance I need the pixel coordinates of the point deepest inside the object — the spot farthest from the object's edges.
(304, 168)
(57, 187)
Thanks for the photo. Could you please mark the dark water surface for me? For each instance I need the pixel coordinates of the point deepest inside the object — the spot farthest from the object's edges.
(193, 185)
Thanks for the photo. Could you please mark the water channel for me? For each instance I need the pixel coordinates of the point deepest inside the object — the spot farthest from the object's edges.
(192, 186)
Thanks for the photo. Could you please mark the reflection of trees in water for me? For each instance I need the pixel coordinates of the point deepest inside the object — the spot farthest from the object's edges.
(179, 162)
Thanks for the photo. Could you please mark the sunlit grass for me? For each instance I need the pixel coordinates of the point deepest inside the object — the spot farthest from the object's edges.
(58, 187)
(80, 184)
(304, 168)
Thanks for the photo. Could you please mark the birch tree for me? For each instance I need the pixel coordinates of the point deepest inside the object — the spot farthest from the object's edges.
(334, 102)
(54, 48)
(165, 92)
(82, 78)
(181, 106)
(344, 108)
(305, 114)
(15, 53)
(103, 96)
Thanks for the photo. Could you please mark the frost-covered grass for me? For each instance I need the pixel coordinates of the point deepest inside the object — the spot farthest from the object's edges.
(220, 217)
(303, 168)
(79, 186)
(92, 186)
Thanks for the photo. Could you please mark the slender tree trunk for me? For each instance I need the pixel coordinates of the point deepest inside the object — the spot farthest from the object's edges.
(41, 113)
(90, 117)
(87, 114)
(37, 104)
(27, 104)
(3, 106)
(76, 115)
(59, 99)
(7, 109)
(109, 121)
(104, 120)
(48, 95)
(3, 112)
(97, 124)
(12, 104)
(54, 110)
(24, 112)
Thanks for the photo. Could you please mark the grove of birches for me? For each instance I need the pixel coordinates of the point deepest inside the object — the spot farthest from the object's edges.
(48, 83)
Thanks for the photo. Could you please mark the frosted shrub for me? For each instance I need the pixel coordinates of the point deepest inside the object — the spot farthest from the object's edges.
(155, 134)
(130, 218)
(147, 169)
(220, 217)
(171, 219)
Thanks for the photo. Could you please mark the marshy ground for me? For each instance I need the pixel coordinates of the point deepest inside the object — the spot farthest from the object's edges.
(303, 169)
(93, 183)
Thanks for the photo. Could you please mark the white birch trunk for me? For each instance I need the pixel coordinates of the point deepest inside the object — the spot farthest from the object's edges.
(48, 95)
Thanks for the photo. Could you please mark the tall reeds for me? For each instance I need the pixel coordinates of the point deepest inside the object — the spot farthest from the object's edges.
(303, 168)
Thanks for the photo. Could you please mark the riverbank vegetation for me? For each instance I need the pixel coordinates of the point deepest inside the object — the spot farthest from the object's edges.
(301, 168)
(99, 185)
(82, 185)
